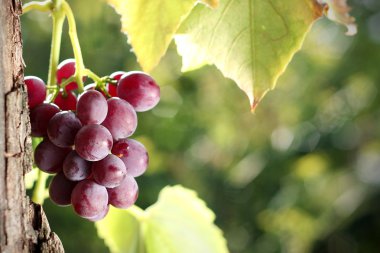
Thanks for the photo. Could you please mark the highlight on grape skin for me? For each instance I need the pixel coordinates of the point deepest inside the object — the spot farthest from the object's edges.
(65, 70)
(109, 171)
(66, 101)
(133, 154)
(125, 195)
(75, 167)
(93, 142)
(89, 199)
(92, 107)
(63, 128)
(36, 89)
(139, 89)
(121, 118)
(40, 117)
(48, 157)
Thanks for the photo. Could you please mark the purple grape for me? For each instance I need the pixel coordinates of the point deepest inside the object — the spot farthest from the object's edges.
(48, 157)
(125, 195)
(109, 171)
(65, 70)
(75, 167)
(133, 154)
(139, 89)
(36, 91)
(121, 118)
(66, 103)
(89, 199)
(62, 129)
(40, 117)
(93, 142)
(92, 107)
(101, 215)
(60, 189)
(112, 88)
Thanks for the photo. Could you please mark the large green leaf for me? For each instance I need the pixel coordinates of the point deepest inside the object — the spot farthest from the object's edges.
(250, 41)
(179, 222)
(120, 231)
(150, 25)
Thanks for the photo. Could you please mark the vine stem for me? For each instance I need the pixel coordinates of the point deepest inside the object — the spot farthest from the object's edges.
(60, 10)
(39, 189)
(44, 6)
(58, 20)
(79, 65)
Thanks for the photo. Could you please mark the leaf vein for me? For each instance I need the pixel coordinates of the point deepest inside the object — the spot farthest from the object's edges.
(234, 43)
(253, 43)
(228, 5)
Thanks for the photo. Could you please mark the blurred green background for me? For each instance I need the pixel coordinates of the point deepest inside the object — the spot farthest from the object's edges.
(301, 175)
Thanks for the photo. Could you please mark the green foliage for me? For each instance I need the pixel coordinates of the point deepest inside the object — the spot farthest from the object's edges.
(150, 25)
(250, 42)
(178, 222)
(298, 176)
(120, 230)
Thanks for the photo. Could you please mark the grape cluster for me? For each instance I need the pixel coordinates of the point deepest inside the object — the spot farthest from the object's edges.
(86, 139)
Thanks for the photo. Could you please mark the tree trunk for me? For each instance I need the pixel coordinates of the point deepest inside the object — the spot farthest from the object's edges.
(23, 225)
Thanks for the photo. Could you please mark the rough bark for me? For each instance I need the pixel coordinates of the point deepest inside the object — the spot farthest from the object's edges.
(23, 225)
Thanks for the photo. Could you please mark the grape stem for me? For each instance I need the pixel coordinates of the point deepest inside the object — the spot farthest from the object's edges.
(60, 10)
(58, 20)
(39, 190)
(44, 6)
(79, 64)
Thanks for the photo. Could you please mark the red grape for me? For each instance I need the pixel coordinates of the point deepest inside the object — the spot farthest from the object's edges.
(48, 157)
(133, 154)
(125, 194)
(40, 117)
(92, 107)
(101, 215)
(36, 91)
(62, 129)
(75, 167)
(60, 189)
(121, 118)
(90, 86)
(139, 89)
(93, 142)
(89, 199)
(112, 88)
(68, 102)
(109, 171)
(65, 70)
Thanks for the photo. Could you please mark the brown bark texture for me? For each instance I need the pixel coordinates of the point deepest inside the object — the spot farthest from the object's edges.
(23, 225)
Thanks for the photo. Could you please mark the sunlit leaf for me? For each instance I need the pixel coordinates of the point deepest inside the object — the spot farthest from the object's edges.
(120, 230)
(179, 222)
(150, 25)
(251, 42)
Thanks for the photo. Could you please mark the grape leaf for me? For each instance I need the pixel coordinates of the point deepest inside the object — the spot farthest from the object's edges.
(120, 231)
(250, 41)
(150, 25)
(179, 222)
